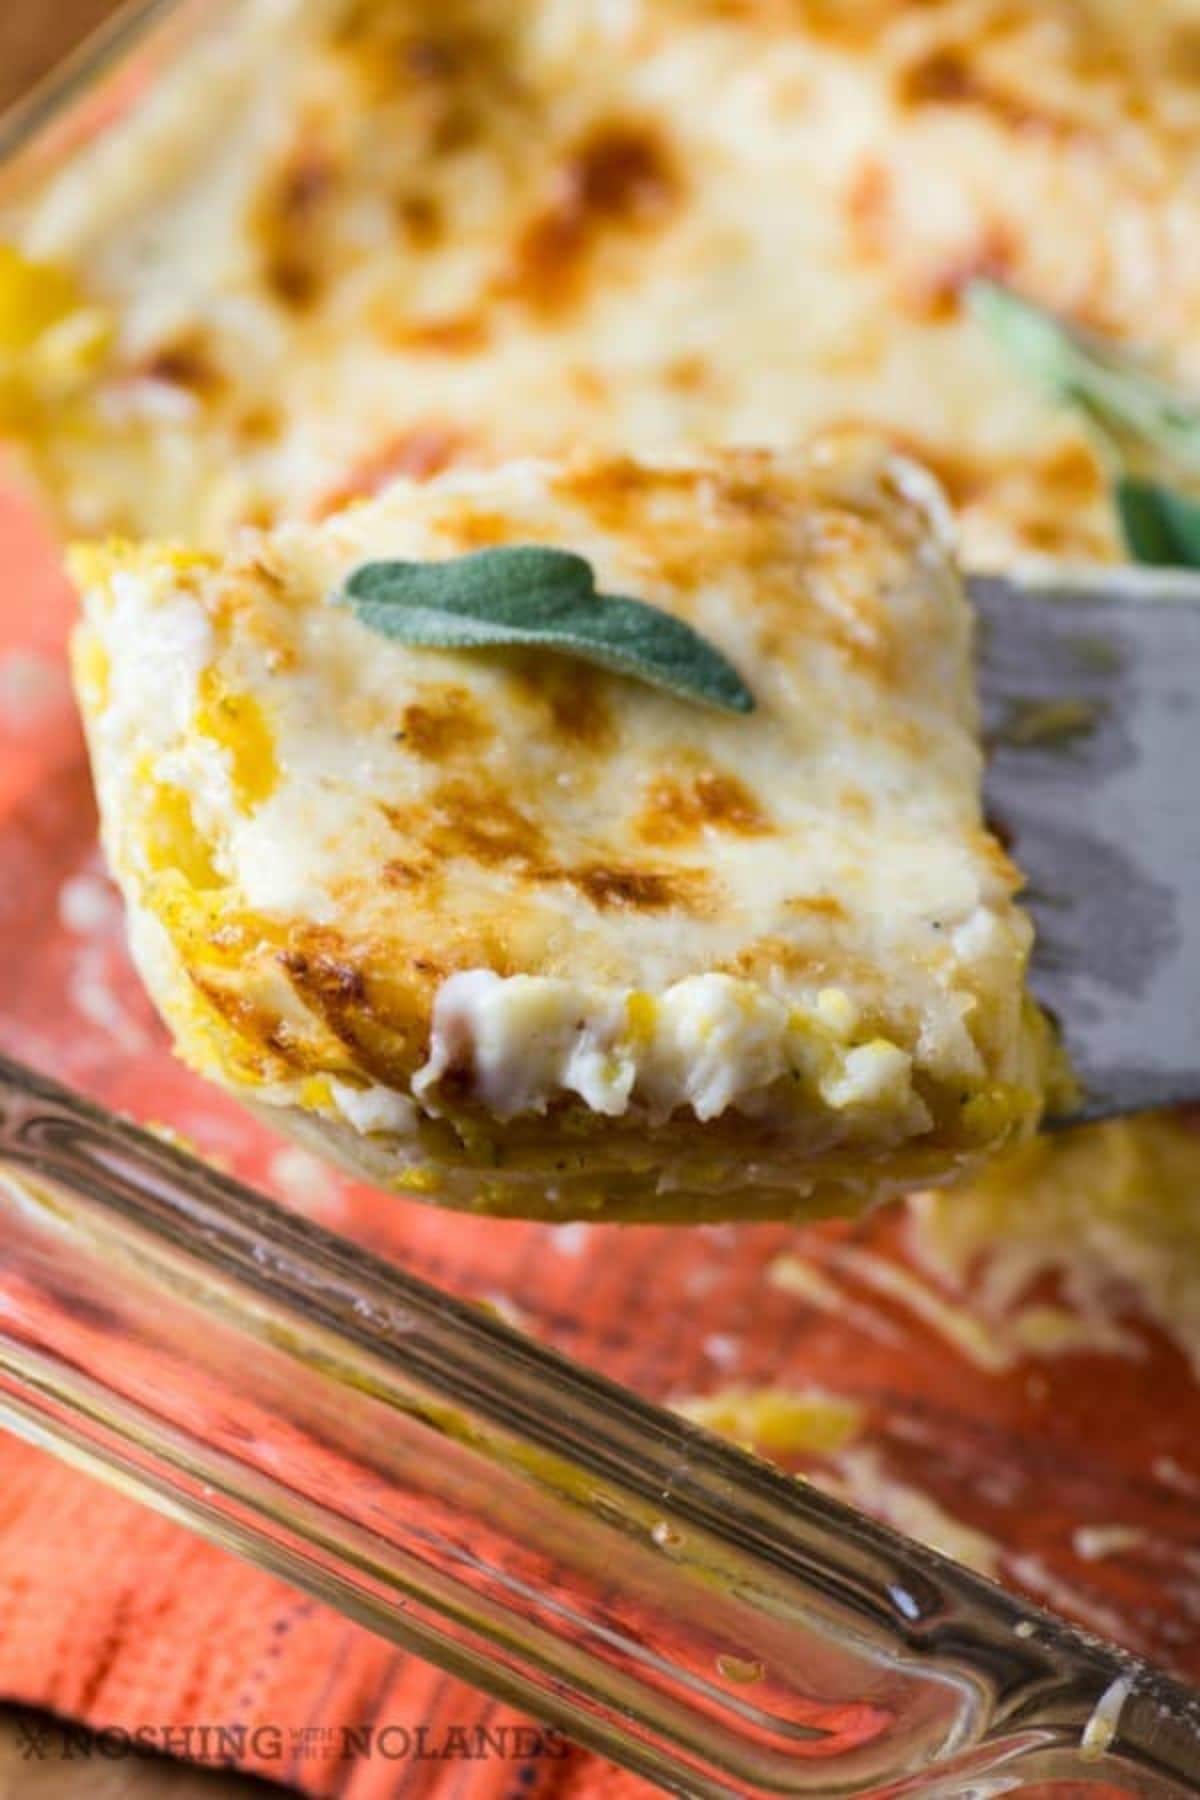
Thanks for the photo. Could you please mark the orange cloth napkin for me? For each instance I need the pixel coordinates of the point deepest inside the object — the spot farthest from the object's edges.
(111, 1615)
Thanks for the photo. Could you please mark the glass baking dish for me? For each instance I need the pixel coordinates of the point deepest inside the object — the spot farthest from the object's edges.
(282, 1376)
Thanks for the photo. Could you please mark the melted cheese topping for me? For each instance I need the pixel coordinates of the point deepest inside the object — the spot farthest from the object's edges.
(528, 915)
(352, 238)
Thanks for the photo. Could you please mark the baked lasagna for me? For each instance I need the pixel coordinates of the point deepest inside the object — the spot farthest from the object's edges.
(342, 240)
(529, 936)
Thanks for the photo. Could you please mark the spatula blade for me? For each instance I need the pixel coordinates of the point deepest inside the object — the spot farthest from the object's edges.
(1091, 697)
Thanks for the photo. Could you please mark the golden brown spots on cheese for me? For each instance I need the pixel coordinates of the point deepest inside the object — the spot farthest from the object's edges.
(459, 335)
(739, 487)
(262, 422)
(992, 852)
(947, 77)
(1051, 535)
(939, 78)
(324, 973)
(415, 455)
(448, 64)
(294, 279)
(741, 528)
(689, 374)
(401, 872)
(336, 990)
(1073, 471)
(677, 810)
(261, 1046)
(368, 998)
(445, 722)
(432, 59)
(618, 491)
(289, 223)
(421, 219)
(619, 178)
(614, 887)
(572, 699)
(817, 906)
(185, 361)
(477, 528)
(477, 819)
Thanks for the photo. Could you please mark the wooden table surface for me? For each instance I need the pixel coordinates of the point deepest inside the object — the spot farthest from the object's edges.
(36, 1761)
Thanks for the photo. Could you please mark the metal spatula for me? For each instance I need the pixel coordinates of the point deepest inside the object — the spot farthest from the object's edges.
(1091, 695)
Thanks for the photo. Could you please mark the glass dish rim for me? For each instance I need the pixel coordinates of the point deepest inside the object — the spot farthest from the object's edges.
(37, 133)
(40, 128)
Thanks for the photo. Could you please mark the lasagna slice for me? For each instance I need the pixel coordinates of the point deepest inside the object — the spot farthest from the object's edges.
(523, 935)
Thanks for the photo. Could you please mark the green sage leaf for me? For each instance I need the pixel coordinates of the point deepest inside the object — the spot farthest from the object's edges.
(536, 595)
(1160, 525)
(1134, 410)
(1151, 433)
